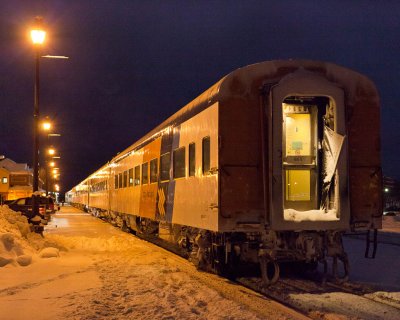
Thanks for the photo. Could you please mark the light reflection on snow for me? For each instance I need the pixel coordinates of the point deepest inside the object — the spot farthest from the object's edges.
(61, 222)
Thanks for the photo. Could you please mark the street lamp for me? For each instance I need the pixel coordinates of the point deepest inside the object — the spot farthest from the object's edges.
(38, 36)
(51, 151)
(46, 124)
(49, 156)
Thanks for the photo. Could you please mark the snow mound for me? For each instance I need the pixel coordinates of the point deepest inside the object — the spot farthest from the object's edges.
(49, 253)
(11, 249)
(18, 245)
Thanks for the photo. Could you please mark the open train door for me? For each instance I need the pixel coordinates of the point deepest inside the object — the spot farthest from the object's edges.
(309, 159)
(325, 167)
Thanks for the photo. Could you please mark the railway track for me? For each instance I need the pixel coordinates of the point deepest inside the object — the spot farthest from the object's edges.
(316, 300)
(310, 297)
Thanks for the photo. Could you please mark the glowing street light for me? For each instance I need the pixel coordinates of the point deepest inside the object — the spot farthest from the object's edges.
(38, 35)
(49, 163)
(51, 151)
(46, 125)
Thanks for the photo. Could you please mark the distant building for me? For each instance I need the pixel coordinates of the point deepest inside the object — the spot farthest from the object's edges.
(16, 180)
(391, 192)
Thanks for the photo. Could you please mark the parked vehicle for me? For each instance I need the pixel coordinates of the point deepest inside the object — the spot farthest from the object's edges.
(24, 205)
(49, 204)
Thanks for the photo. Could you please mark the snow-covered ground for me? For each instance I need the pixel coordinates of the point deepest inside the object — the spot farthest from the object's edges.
(95, 271)
(86, 269)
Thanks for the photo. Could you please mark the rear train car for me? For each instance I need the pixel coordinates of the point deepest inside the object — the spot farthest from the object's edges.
(272, 164)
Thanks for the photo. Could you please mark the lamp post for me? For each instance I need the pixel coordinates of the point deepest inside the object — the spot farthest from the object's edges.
(38, 35)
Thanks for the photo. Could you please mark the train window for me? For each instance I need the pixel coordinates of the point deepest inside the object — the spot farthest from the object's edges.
(131, 177)
(192, 159)
(179, 163)
(145, 173)
(125, 179)
(206, 155)
(116, 181)
(153, 170)
(165, 163)
(120, 180)
(137, 175)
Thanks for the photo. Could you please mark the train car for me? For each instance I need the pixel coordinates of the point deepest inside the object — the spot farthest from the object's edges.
(272, 164)
(98, 194)
(79, 195)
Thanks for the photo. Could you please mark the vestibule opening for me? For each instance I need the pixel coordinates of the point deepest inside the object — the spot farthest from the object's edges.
(310, 152)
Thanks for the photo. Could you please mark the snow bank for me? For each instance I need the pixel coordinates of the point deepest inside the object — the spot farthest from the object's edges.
(18, 245)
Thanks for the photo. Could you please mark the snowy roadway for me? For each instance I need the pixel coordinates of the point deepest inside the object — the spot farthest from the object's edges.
(104, 273)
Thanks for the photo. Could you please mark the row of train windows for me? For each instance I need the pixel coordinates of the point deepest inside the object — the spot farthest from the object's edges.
(132, 176)
(99, 186)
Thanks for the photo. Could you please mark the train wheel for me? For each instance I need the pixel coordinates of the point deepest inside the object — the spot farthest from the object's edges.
(125, 227)
(270, 270)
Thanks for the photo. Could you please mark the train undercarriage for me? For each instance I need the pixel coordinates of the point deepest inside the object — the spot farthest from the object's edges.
(230, 253)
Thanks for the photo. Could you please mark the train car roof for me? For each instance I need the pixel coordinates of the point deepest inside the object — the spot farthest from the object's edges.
(241, 81)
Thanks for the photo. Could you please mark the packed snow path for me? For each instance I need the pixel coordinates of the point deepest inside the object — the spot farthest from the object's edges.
(104, 273)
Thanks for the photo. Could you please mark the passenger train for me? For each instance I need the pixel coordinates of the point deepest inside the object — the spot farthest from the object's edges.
(272, 164)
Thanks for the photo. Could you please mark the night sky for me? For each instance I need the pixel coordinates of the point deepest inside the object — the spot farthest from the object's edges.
(134, 63)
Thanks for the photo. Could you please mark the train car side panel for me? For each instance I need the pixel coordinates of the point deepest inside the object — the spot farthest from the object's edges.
(201, 188)
(149, 183)
(365, 164)
(241, 173)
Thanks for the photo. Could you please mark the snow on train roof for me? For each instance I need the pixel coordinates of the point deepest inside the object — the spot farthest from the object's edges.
(240, 82)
